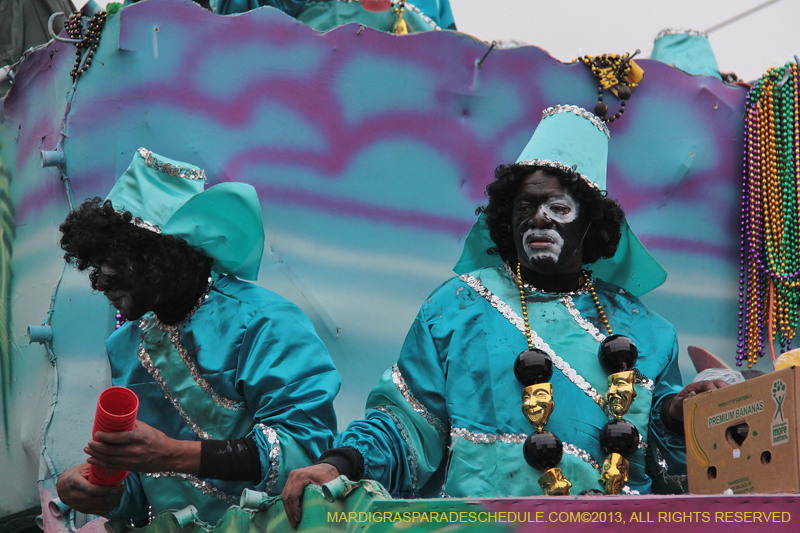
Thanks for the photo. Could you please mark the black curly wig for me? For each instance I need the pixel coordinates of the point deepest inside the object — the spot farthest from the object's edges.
(95, 234)
(605, 214)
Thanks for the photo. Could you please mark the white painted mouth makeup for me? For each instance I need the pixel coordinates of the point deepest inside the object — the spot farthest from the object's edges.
(542, 244)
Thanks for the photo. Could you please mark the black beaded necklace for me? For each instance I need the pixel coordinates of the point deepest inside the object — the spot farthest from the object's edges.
(619, 438)
(89, 41)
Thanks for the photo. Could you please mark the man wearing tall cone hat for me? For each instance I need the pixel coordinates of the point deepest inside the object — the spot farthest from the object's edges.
(537, 370)
(235, 388)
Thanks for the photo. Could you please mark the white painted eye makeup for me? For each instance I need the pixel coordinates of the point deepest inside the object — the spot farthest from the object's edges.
(562, 209)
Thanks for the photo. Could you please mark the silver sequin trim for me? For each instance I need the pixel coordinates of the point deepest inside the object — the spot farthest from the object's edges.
(640, 378)
(174, 335)
(560, 167)
(582, 322)
(412, 454)
(643, 380)
(420, 409)
(274, 456)
(558, 362)
(582, 454)
(139, 223)
(170, 169)
(206, 488)
(581, 112)
(148, 365)
(677, 31)
(519, 438)
(422, 15)
(488, 438)
(223, 402)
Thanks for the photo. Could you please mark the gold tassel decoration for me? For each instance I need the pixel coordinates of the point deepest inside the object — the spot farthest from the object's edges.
(400, 26)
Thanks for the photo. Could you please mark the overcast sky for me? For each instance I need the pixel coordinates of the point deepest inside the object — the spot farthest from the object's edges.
(570, 28)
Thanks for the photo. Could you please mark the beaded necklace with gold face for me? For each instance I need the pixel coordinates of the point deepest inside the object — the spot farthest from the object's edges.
(619, 438)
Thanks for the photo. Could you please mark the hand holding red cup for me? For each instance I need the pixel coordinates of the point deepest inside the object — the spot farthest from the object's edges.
(116, 411)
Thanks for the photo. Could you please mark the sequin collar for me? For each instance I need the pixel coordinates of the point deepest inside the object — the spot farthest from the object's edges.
(513, 275)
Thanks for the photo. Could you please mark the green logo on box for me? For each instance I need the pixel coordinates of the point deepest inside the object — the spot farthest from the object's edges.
(780, 430)
(779, 394)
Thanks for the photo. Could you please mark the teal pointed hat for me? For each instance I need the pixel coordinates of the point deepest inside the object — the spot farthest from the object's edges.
(169, 197)
(688, 50)
(574, 141)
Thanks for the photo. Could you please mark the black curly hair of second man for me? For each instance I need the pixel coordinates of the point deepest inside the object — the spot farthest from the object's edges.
(96, 234)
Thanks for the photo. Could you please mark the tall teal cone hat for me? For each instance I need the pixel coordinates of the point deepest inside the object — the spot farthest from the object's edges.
(169, 197)
(574, 141)
(688, 50)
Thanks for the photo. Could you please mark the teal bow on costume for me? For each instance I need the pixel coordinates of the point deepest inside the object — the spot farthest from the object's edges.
(169, 197)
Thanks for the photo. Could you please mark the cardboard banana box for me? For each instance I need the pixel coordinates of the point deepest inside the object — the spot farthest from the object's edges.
(745, 437)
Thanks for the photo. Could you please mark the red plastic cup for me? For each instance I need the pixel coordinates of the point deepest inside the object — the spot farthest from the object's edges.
(116, 411)
(376, 6)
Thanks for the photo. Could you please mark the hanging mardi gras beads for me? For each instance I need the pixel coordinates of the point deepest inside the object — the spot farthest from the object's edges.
(769, 270)
(89, 40)
(615, 73)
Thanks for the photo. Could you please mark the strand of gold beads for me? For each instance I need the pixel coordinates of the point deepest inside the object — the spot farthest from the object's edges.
(524, 308)
(590, 285)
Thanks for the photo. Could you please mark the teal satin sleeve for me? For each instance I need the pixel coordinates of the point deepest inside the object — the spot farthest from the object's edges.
(386, 455)
(290, 392)
(134, 504)
(403, 439)
(230, 7)
(439, 11)
(667, 457)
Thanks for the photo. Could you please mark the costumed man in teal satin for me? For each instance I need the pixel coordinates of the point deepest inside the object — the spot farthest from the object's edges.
(549, 269)
(325, 15)
(235, 388)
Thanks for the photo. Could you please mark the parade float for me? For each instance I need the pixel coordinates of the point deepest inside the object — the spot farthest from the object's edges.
(370, 152)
